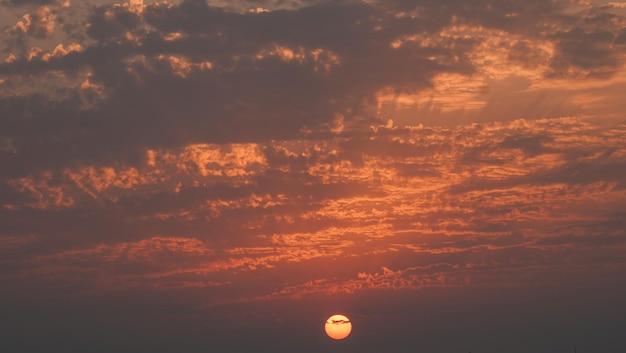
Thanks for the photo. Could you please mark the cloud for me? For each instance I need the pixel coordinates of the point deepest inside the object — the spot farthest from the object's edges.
(209, 63)
(491, 204)
(312, 149)
(242, 166)
(26, 2)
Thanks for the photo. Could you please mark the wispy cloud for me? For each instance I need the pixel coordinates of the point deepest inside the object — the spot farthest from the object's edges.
(511, 198)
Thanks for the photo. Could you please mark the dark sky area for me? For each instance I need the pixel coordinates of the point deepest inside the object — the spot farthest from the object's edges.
(223, 176)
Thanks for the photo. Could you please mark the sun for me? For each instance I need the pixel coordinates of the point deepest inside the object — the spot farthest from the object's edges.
(338, 327)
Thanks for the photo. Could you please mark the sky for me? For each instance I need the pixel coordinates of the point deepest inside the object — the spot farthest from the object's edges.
(223, 176)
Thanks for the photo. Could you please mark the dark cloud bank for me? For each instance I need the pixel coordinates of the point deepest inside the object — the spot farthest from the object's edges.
(341, 56)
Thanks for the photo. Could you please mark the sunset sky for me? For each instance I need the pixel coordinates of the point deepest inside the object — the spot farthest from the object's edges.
(224, 175)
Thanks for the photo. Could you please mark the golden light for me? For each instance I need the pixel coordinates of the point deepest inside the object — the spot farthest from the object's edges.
(338, 327)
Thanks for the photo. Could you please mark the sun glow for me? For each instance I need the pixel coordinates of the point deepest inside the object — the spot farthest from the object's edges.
(338, 327)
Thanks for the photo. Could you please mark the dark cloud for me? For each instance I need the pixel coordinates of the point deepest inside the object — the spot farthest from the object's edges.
(26, 2)
(621, 37)
(531, 145)
(591, 52)
(110, 23)
(254, 91)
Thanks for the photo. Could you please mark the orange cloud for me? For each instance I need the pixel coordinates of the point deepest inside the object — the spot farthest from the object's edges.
(496, 203)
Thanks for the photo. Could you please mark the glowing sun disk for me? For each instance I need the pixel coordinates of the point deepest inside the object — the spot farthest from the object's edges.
(338, 327)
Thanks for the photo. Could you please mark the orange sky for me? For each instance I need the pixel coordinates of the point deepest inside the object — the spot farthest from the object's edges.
(229, 174)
